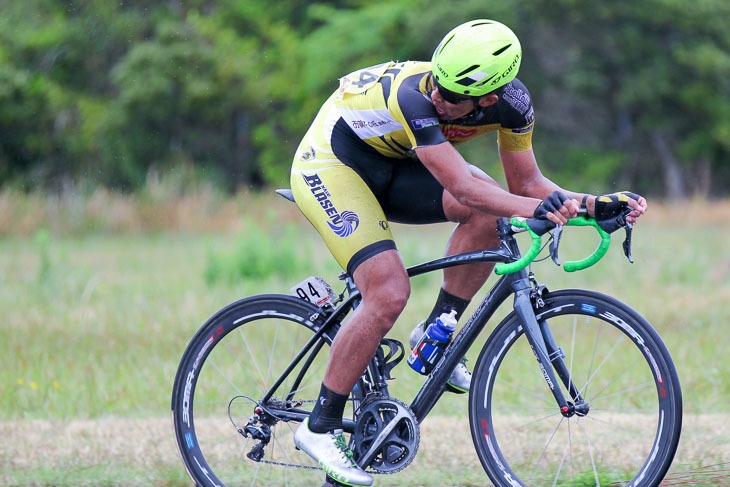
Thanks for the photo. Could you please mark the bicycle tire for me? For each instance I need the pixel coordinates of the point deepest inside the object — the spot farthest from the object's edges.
(229, 364)
(622, 369)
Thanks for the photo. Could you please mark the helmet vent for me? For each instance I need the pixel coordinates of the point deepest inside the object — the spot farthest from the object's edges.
(467, 70)
(486, 81)
(481, 23)
(443, 46)
(500, 51)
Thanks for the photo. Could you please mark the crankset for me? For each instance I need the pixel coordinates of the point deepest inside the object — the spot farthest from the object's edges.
(386, 435)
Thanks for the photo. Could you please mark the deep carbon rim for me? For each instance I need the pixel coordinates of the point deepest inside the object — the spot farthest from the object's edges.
(630, 435)
(232, 360)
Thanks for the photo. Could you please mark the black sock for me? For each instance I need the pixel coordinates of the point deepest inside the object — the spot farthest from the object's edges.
(445, 303)
(327, 413)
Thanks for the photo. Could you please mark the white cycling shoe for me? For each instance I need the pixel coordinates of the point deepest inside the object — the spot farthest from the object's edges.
(331, 452)
(460, 379)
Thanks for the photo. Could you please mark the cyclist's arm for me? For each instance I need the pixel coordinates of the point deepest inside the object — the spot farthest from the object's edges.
(451, 170)
(524, 178)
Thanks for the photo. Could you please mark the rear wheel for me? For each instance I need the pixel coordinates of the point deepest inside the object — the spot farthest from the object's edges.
(622, 370)
(225, 372)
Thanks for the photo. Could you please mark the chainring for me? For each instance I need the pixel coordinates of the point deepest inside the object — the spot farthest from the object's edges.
(398, 447)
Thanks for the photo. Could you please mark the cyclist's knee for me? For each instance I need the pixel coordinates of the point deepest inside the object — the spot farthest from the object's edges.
(474, 217)
(387, 299)
(393, 299)
(382, 308)
(476, 221)
(385, 287)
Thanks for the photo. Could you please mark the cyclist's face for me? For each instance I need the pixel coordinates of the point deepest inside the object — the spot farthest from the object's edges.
(450, 111)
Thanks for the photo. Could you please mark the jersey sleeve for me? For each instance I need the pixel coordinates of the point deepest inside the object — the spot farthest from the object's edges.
(414, 110)
(517, 117)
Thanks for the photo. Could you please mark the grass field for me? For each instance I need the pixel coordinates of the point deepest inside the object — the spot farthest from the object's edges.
(97, 308)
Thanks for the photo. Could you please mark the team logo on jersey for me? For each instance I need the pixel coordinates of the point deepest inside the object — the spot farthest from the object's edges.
(350, 222)
(307, 155)
(422, 123)
(452, 133)
(523, 130)
(342, 224)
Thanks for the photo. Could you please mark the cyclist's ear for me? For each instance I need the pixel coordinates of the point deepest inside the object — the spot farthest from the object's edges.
(488, 100)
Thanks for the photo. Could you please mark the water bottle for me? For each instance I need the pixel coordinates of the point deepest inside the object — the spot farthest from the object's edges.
(432, 343)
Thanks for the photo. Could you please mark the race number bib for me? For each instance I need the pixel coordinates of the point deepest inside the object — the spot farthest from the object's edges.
(360, 81)
(316, 291)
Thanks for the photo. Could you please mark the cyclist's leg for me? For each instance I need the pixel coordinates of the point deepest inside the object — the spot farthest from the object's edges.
(384, 285)
(366, 249)
(476, 230)
(350, 221)
(344, 211)
(414, 196)
(339, 202)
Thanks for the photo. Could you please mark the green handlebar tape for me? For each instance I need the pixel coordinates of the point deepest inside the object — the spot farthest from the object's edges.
(525, 260)
(597, 254)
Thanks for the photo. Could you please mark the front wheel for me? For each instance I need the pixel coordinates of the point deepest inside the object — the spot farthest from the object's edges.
(621, 369)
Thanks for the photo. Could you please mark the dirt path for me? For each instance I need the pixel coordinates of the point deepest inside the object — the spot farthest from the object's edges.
(149, 444)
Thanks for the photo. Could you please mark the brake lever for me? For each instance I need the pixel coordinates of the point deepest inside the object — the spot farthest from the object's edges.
(627, 242)
(555, 243)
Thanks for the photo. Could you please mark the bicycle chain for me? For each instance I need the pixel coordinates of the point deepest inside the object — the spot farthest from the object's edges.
(296, 465)
(308, 467)
(282, 464)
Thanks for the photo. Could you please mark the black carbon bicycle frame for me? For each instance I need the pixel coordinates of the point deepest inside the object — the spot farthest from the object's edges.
(517, 283)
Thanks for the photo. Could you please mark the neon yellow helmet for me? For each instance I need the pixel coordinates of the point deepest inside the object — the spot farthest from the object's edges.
(476, 58)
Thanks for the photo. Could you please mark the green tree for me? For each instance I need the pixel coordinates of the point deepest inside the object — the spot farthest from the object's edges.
(25, 118)
(169, 108)
(646, 81)
(107, 91)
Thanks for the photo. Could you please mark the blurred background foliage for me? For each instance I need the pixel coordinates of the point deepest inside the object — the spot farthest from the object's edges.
(627, 94)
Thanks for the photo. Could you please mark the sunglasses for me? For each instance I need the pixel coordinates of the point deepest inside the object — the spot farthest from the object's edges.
(450, 96)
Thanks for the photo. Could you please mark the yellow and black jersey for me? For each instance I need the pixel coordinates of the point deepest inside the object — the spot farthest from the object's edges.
(389, 107)
(355, 170)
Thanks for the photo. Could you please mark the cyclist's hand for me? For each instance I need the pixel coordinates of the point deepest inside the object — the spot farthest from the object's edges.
(557, 208)
(610, 205)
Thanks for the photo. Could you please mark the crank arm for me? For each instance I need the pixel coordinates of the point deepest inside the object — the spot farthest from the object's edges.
(378, 442)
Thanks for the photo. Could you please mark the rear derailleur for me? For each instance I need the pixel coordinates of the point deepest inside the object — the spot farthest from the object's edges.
(258, 428)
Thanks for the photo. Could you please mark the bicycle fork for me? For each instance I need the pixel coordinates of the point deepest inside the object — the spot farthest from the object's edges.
(548, 354)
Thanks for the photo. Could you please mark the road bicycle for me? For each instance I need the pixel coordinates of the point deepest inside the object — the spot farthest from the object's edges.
(572, 387)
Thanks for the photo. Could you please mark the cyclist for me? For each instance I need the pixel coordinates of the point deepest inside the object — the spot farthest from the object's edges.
(381, 149)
